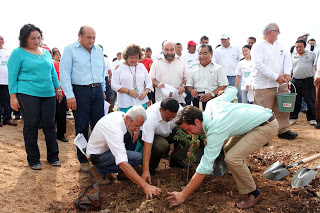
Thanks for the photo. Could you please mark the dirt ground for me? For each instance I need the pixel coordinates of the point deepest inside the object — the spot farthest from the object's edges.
(55, 189)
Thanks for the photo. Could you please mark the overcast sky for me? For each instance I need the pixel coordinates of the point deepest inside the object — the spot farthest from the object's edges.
(149, 23)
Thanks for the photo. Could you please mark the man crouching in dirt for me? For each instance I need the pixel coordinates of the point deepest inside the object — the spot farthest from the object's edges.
(107, 151)
(249, 126)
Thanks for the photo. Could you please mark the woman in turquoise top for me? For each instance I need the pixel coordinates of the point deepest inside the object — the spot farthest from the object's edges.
(32, 83)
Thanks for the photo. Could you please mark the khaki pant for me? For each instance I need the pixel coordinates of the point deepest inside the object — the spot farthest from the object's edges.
(268, 99)
(239, 147)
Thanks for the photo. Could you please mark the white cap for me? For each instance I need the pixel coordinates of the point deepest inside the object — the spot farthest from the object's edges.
(224, 36)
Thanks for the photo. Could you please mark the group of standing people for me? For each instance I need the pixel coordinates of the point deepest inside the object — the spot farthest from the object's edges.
(34, 88)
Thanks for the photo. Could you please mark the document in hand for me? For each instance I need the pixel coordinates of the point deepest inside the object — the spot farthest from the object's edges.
(81, 143)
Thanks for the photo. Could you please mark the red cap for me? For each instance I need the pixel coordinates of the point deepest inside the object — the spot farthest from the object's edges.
(192, 43)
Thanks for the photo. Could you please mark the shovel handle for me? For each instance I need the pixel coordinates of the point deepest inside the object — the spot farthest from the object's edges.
(305, 160)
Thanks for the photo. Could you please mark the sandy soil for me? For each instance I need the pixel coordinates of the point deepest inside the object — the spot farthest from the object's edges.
(55, 189)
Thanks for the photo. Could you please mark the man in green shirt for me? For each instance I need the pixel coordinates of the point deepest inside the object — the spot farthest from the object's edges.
(248, 126)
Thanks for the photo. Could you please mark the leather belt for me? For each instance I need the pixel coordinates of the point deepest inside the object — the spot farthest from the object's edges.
(91, 85)
(268, 121)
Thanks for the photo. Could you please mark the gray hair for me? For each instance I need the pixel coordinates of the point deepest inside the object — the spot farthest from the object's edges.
(268, 27)
(136, 111)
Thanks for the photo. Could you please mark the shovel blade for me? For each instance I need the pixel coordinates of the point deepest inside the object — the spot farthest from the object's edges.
(219, 166)
(275, 171)
(303, 177)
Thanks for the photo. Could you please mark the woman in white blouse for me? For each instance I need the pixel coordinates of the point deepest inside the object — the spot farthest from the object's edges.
(131, 80)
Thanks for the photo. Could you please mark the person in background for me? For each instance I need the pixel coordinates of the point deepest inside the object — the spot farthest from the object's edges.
(147, 62)
(204, 40)
(251, 40)
(243, 71)
(61, 107)
(178, 49)
(83, 81)
(32, 81)
(5, 109)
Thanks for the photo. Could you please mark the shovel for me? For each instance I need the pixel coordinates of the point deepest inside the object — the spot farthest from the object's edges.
(219, 166)
(277, 170)
(304, 176)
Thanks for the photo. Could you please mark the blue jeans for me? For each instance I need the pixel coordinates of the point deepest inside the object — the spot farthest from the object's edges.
(232, 82)
(90, 103)
(5, 109)
(35, 109)
(107, 163)
(188, 98)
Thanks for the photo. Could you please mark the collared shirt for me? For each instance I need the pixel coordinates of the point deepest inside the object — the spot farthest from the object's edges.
(303, 66)
(228, 58)
(155, 125)
(207, 78)
(107, 134)
(173, 74)
(191, 59)
(78, 66)
(269, 61)
(4, 57)
(124, 77)
(223, 119)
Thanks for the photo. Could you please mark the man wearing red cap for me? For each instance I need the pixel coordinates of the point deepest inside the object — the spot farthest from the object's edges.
(191, 58)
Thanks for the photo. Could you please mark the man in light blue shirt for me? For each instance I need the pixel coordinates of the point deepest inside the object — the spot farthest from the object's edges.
(249, 128)
(82, 79)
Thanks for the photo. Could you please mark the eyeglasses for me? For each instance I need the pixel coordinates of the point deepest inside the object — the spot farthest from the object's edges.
(278, 30)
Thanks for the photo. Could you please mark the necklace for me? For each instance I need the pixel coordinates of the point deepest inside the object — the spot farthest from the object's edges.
(134, 78)
(39, 55)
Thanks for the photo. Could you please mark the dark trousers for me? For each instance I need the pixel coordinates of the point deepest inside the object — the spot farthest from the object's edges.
(188, 98)
(61, 117)
(5, 109)
(108, 89)
(306, 89)
(34, 109)
(196, 101)
(90, 103)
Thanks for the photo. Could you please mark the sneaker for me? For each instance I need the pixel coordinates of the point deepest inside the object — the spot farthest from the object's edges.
(289, 135)
(292, 121)
(313, 122)
(85, 167)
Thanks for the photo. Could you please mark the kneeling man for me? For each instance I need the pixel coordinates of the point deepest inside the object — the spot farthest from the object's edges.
(249, 126)
(106, 147)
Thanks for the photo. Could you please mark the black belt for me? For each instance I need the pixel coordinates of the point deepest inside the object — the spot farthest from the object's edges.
(268, 121)
(91, 85)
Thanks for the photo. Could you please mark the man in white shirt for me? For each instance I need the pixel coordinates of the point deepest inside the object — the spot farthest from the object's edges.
(207, 78)
(118, 61)
(303, 71)
(178, 49)
(317, 85)
(171, 70)
(5, 109)
(157, 135)
(106, 147)
(204, 40)
(191, 58)
(272, 67)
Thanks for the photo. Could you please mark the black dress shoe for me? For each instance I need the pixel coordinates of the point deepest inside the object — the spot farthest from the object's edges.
(288, 135)
(178, 163)
(9, 122)
(317, 126)
(63, 139)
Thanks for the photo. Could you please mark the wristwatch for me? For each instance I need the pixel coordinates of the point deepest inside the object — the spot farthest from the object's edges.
(213, 95)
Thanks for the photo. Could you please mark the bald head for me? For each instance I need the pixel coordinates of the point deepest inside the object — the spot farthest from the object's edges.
(168, 50)
(87, 37)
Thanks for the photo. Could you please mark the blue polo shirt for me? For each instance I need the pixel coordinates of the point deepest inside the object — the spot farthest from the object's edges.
(223, 119)
(78, 66)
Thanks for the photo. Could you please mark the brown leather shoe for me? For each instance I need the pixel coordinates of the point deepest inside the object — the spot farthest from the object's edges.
(1, 124)
(249, 201)
(98, 177)
(9, 122)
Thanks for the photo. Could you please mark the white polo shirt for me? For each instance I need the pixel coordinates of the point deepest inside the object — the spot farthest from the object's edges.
(173, 74)
(191, 59)
(155, 125)
(107, 134)
(269, 61)
(207, 78)
(228, 58)
(4, 57)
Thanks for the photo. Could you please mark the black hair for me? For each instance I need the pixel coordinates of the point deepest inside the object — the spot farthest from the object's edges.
(25, 32)
(188, 115)
(81, 30)
(178, 43)
(204, 38)
(170, 104)
(206, 45)
(311, 39)
(247, 46)
(302, 41)
(251, 37)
